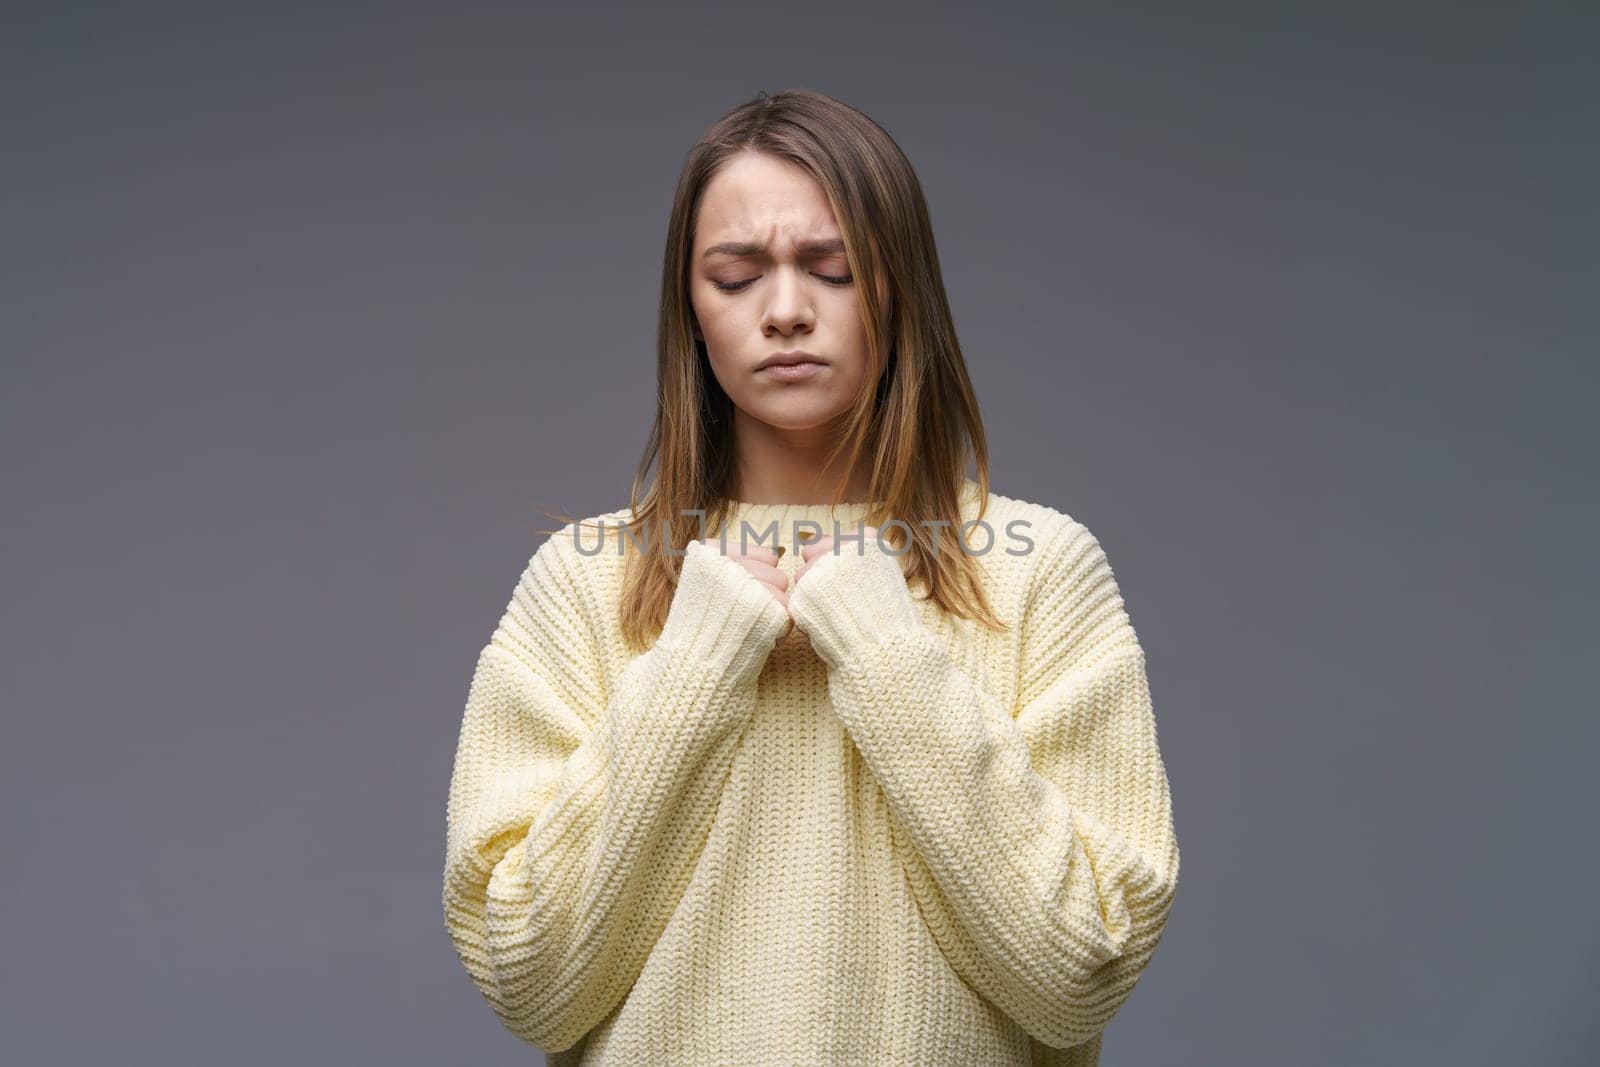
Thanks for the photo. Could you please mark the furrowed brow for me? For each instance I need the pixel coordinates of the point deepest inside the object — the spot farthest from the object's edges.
(816, 249)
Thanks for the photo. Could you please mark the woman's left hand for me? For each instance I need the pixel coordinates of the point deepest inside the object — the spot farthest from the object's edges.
(813, 550)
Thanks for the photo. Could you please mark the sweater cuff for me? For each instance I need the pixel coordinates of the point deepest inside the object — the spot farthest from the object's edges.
(721, 615)
(850, 599)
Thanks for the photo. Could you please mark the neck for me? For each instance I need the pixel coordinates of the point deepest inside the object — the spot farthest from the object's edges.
(777, 466)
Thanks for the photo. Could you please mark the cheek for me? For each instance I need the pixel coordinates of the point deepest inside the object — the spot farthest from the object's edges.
(720, 319)
(700, 306)
(720, 333)
(851, 337)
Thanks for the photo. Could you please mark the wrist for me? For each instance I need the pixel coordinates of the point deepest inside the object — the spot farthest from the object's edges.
(722, 615)
(852, 598)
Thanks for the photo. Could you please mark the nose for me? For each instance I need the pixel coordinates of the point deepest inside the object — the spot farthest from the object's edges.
(790, 306)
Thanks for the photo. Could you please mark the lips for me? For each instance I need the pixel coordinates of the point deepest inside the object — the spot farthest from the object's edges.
(792, 372)
(788, 359)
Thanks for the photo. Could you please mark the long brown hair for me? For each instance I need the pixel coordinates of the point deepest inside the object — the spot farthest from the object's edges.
(916, 418)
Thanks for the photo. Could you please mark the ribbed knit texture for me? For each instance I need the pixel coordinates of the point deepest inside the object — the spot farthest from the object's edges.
(883, 835)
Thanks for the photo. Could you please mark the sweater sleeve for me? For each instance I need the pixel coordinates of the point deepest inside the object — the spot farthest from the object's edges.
(1042, 850)
(575, 815)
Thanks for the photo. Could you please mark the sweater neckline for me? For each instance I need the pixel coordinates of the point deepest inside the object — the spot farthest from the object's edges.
(848, 514)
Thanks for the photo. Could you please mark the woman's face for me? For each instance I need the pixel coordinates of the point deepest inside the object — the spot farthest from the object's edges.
(769, 275)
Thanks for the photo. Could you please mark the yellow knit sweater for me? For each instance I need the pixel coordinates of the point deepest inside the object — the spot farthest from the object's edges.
(883, 835)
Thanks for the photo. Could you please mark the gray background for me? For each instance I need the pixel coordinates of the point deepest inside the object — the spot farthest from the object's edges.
(307, 313)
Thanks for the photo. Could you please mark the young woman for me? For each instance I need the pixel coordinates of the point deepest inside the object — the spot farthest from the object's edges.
(741, 781)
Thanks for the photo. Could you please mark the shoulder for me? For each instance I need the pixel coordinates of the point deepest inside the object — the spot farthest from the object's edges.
(1072, 602)
(586, 538)
(561, 610)
(576, 561)
(1064, 560)
(1033, 530)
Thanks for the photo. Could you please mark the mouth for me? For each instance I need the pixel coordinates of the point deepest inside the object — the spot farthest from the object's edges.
(792, 370)
(789, 359)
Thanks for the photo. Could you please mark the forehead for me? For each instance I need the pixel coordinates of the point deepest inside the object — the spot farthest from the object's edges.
(763, 199)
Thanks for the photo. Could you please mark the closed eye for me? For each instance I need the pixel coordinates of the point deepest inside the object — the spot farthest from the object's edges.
(736, 287)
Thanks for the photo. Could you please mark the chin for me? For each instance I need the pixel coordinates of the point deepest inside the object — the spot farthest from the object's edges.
(798, 416)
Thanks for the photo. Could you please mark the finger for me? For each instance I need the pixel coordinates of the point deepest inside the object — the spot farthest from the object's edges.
(752, 551)
(816, 548)
(764, 571)
(759, 552)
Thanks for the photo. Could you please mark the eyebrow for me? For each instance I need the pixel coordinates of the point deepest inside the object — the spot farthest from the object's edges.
(831, 246)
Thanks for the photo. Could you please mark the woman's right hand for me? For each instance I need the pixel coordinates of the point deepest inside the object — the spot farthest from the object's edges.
(759, 561)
